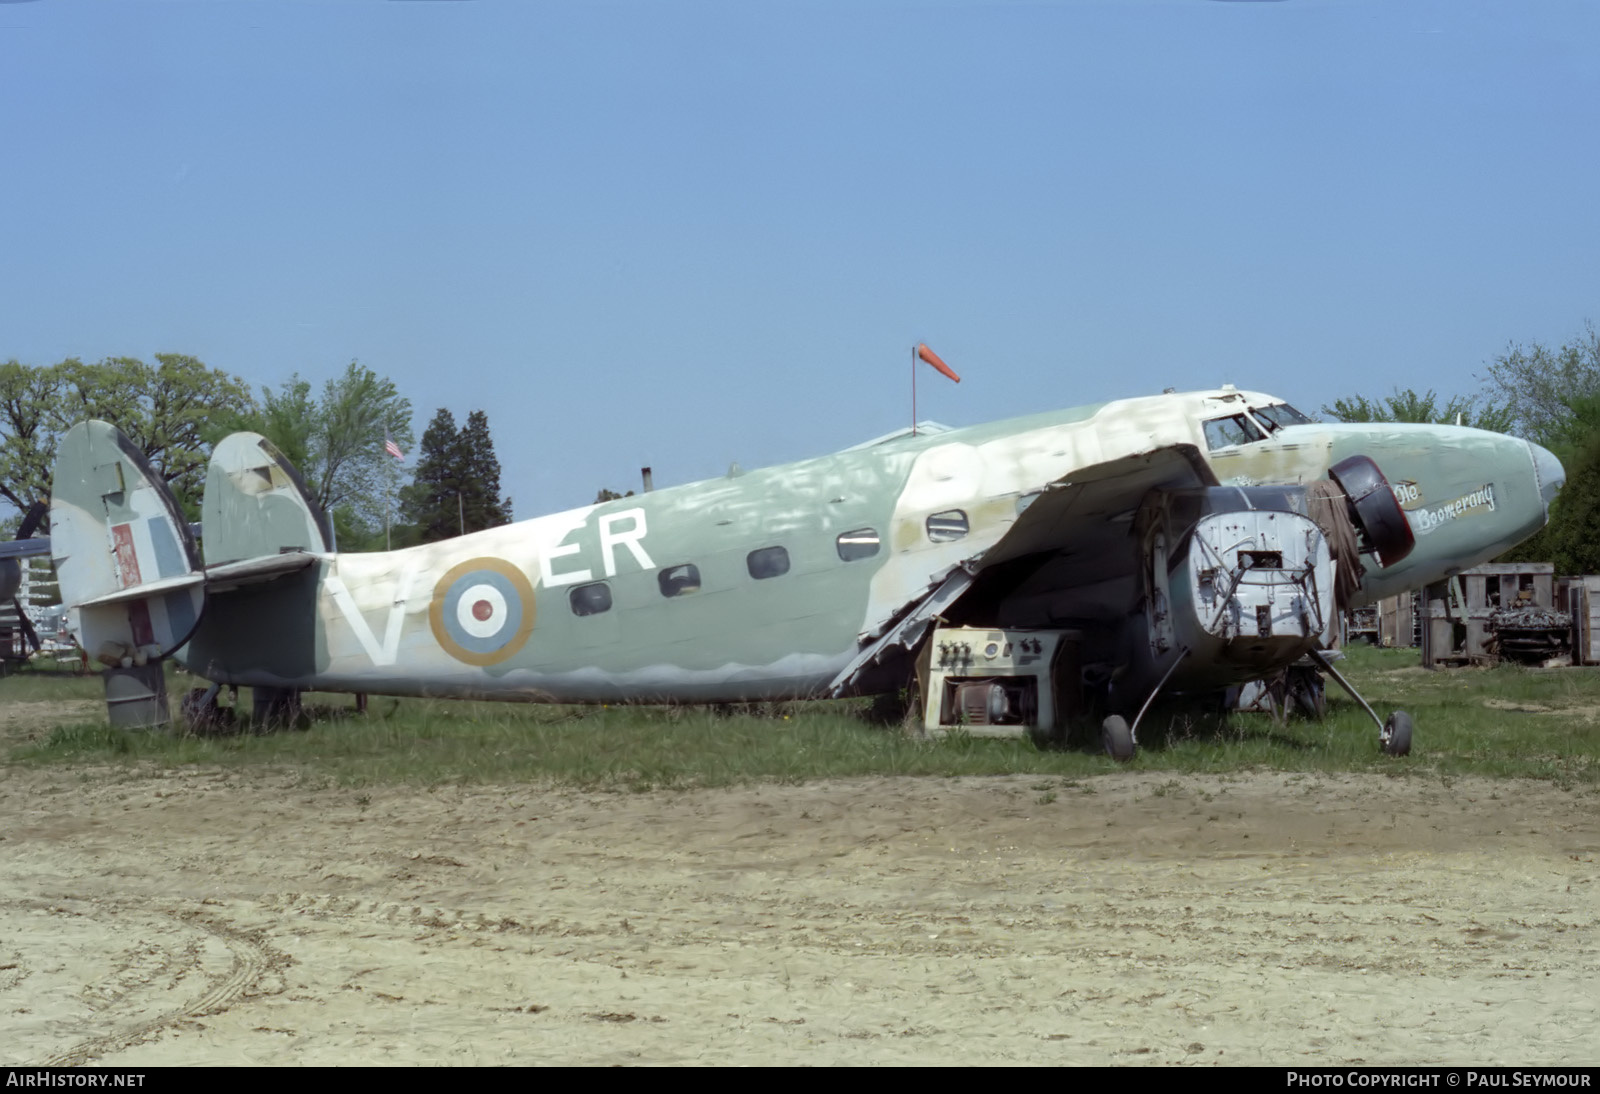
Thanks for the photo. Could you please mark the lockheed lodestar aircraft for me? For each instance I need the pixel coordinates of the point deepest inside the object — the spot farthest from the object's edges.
(1009, 577)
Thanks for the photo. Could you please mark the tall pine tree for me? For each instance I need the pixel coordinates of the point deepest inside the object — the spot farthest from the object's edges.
(428, 504)
(483, 506)
(456, 485)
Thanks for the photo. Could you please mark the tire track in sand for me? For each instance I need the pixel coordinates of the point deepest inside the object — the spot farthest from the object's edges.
(252, 961)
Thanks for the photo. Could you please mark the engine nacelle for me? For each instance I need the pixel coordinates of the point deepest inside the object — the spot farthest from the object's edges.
(1379, 521)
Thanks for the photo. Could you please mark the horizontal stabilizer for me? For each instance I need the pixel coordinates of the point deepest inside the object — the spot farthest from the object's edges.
(25, 548)
(231, 575)
(148, 589)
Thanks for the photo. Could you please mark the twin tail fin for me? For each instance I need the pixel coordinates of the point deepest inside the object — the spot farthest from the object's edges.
(129, 569)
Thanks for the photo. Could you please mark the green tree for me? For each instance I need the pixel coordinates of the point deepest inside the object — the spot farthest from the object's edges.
(456, 487)
(607, 494)
(180, 397)
(1553, 397)
(349, 467)
(1573, 535)
(428, 505)
(1571, 539)
(28, 434)
(163, 408)
(483, 504)
(1574, 530)
(1408, 406)
(1540, 386)
(291, 419)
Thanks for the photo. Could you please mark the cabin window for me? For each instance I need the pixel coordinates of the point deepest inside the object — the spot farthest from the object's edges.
(948, 525)
(861, 543)
(1278, 415)
(767, 562)
(1234, 430)
(679, 580)
(590, 599)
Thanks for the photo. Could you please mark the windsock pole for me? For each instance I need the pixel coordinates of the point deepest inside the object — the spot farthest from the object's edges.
(913, 391)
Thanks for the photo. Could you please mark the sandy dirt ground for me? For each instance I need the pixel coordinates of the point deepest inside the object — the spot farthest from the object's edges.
(207, 917)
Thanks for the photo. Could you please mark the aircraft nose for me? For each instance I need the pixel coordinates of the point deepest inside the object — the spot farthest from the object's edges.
(1548, 470)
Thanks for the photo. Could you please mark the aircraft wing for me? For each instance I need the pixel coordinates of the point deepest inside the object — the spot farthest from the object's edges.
(1087, 514)
(1070, 548)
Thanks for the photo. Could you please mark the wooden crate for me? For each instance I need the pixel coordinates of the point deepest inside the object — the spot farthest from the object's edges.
(1583, 601)
(1456, 612)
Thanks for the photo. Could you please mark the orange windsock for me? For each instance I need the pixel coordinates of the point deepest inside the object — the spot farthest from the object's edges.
(933, 359)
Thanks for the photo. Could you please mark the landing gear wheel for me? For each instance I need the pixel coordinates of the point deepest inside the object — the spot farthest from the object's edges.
(1305, 685)
(1277, 706)
(912, 713)
(1395, 740)
(202, 715)
(1117, 738)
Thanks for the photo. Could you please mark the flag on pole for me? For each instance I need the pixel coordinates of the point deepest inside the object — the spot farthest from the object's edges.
(393, 449)
(932, 358)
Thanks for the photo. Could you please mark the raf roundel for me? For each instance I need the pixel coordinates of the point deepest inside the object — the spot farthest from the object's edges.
(482, 611)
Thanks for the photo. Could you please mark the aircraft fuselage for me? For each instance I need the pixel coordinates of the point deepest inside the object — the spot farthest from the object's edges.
(766, 584)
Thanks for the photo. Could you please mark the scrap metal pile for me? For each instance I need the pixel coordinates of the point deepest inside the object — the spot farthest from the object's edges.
(1531, 634)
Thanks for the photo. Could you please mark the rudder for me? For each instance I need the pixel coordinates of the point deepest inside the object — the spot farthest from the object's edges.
(257, 504)
(127, 566)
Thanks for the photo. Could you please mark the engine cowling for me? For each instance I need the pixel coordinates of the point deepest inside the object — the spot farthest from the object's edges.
(1376, 514)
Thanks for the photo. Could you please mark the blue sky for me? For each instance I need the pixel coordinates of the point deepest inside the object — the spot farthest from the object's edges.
(686, 234)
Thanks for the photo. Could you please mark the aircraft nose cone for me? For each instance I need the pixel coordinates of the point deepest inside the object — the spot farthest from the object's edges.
(1549, 471)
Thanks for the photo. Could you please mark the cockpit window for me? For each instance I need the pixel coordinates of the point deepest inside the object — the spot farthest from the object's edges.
(1278, 415)
(1235, 430)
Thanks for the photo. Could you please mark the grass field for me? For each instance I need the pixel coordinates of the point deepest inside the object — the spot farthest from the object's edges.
(1508, 722)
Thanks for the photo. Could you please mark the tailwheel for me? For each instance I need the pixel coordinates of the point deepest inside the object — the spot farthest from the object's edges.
(1117, 738)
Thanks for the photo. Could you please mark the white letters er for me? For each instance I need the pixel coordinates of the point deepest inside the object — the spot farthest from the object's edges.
(611, 537)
